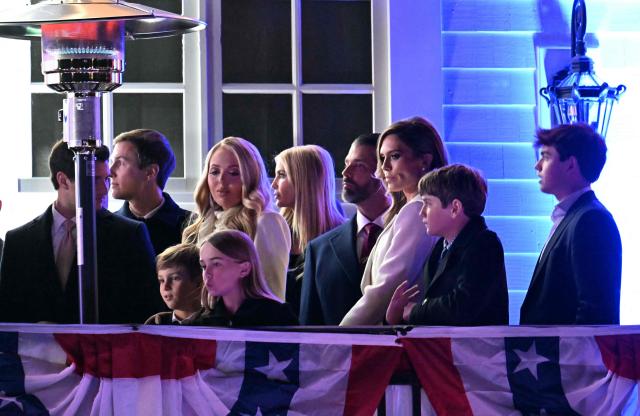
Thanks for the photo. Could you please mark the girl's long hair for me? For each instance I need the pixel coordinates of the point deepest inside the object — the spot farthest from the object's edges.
(239, 246)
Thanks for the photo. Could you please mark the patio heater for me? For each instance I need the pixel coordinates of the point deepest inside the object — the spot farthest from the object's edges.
(580, 97)
(83, 57)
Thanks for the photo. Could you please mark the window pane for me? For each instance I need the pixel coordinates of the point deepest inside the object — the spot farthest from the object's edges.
(265, 120)
(143, 62)
(45, 130)
(336, 42)
(334, 121)
(256, 41)
(162, 112)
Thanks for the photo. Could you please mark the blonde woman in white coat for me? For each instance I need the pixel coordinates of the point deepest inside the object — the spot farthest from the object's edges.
(233, 193)
(406, 150)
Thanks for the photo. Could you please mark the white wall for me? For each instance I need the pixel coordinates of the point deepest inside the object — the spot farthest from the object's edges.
(15, 138)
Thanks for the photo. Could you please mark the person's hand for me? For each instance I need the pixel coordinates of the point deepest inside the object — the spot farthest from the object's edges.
(406, 313)
(401, 298)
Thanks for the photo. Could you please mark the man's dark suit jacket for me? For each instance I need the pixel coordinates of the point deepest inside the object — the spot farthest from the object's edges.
(468, 286)
(165, 226)
(30, 290)
(332, 275)
(577, 277)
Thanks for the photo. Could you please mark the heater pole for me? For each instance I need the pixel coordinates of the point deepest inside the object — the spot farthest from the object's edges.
(82, 130)
(86, 235)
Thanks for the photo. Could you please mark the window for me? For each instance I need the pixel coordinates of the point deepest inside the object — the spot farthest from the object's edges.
(293, 72)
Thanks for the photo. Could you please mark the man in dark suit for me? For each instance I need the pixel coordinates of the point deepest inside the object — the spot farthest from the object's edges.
(142, 162)
(334, 261)
(465, 281)
(38, 277)
(577, 278)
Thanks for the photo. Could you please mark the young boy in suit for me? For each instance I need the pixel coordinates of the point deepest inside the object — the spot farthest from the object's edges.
(464, 278)
(180, 279)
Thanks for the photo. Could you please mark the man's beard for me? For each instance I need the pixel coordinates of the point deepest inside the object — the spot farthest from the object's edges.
(357, 193)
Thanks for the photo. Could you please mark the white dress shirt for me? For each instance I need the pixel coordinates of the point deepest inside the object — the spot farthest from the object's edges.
(560, 211)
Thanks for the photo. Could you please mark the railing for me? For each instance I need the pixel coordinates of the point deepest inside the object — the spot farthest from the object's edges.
(173, 370)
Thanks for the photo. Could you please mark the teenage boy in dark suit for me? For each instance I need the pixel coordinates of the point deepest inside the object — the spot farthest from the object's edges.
(465, 279)
(577, 278)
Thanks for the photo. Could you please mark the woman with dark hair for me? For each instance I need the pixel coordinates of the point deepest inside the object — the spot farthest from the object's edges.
(406, 151)
(236, 293)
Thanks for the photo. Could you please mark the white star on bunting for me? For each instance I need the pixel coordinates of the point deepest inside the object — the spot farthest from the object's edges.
(529, 360)
(275, 369)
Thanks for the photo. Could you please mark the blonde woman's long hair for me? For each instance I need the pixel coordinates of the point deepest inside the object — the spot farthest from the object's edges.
(422, 138)
(310, 169)
(256, 193)
(239, 246)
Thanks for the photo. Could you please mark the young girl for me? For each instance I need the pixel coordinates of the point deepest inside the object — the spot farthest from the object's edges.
(304, 187)
(233, 193)
(236, 293)
(406, 150)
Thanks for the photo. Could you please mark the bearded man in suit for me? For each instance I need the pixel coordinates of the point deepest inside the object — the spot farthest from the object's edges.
(335, 260)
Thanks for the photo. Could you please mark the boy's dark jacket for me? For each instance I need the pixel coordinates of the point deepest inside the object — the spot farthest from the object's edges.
(468, 286)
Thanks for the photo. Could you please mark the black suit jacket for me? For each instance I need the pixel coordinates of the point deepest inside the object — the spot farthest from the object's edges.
(468, 286)
(577, 277)
(165, 226)
(332, 275)
(30, 290)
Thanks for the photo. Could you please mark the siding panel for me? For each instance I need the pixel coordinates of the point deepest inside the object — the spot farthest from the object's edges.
(521, 234)
(484, 86)
(496, 160)
(488, 50)
(500, 123)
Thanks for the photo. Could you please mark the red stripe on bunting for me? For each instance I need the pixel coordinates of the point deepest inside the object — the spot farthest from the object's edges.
(136, 355)
(432, 360)
(621, 354)
(369, 374)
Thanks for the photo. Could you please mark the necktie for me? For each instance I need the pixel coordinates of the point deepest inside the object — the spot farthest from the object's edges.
(371, 233)
(444, 252)
(66, 252)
